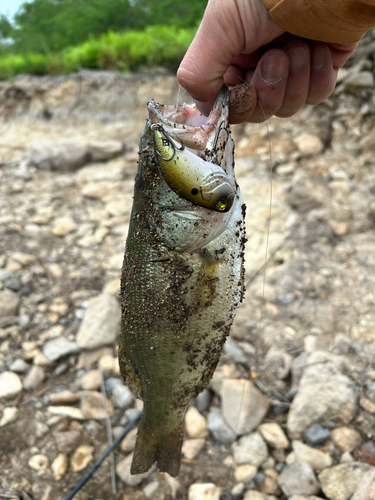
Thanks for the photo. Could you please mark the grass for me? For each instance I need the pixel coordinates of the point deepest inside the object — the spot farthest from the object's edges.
(128, 51)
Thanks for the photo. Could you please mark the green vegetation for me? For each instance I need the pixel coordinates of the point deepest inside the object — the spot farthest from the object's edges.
(60, 36)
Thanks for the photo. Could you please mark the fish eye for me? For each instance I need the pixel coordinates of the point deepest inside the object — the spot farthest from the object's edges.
(194, 191)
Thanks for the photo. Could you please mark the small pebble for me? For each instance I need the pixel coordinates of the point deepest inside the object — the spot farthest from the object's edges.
(192, 447)
(346, 439)
(9, 415)
(316, 435)
(59, 466)
(38, 462)
(298, 479)
(250, 449)
(274, 435)
(82, 457)
(204, 491)
(195, 423)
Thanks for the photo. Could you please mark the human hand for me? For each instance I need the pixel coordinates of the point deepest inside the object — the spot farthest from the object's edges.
(239, 44)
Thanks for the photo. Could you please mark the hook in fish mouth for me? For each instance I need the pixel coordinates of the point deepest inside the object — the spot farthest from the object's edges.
(168, 141)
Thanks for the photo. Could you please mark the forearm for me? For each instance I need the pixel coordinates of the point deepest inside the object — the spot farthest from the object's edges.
(335, 21)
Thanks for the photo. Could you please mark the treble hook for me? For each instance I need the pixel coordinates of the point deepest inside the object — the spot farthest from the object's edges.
(218, 130)
(158, 126)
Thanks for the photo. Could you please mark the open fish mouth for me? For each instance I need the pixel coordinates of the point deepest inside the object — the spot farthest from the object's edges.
(194, 152)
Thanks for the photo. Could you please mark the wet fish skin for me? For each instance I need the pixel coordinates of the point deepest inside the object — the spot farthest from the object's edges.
(182, 281)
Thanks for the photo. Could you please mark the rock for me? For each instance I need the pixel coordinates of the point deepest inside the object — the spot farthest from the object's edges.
(357, 81)
(316, 435)
(309, 145)
(203, 400)
(113, 288)
(64, 397)
(204, 491)
(250, 449)
(346, 439)
(317, 459)
(59, 466)
(67, 441)
(9, 415)
(123, 472)
(243, 405)
(101, 322)
(232, 352)
(254, 495)
(195, 423)
(271, 482)
(245, 473)
(340, 481)
(298, 479)
(274, 435)
(66, 411)
(366, 488)
(128, 443)
(318, 398)
(65, 157)
(365, 403)
(64, 226)
(108, 363)
(9, 302)
(122, 396)
(82, 457)
(105, 150)
(10, 385)
(219, 428)
(57, 348)
(38, 462)
(90, 381)
(89, 358)
(92, 405)
(150, 489)
(33, 378)
(19, 366)
(192, 447)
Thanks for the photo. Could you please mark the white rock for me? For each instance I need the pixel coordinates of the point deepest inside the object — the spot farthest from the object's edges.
(63, 226)
(33, 378)
(195, 424)
(150, 489)
(357, 81)
(38, 462)
(90, 381)
(243, 405)
(128, 443)
(49, 155)
(123, 472)
(309, 145)
(318, 398)
(245, 473)
(122, 396)
(250, 449)
(66, 411)
(317, 459)
(82, 457)
(59, 466)
(57, 348)
(366, 488)
(92, 405)
(101, 322)
(10, 385)
(298, 479)
(218, 427)
(204, 491)
(9, 415)
(254, 495)
(274, 435)
(105, 150)
(340, 481)
(9, 302)
(19, 366)
(192, 447)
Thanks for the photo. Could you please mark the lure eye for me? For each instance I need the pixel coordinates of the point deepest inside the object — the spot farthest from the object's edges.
(221, 205)
(194, 191)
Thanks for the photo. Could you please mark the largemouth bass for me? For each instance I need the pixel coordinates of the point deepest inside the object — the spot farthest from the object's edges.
(182, 277)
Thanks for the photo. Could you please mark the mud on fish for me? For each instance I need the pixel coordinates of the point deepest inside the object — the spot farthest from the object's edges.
(182, 277)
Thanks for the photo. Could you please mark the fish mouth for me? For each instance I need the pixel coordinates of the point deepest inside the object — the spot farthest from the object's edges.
(188, 125)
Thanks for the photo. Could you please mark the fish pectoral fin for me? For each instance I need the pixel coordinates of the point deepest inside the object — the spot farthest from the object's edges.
(205, 286)
(158, 444)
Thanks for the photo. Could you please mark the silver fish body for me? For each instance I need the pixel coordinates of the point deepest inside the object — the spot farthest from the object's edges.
(182, 279)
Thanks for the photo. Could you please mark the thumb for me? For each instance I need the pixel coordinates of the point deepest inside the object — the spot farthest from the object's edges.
(228, 28)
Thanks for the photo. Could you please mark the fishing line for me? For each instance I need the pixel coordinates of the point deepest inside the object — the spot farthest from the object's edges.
(178, 95)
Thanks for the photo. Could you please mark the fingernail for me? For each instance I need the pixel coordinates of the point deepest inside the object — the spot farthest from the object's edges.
(319, 57)
(297, 58)
(273, 68)
(203, 107)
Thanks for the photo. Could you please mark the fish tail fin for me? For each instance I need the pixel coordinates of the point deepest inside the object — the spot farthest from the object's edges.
(161, 445)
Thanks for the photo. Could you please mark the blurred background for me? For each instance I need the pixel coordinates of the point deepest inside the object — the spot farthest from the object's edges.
(57, 37)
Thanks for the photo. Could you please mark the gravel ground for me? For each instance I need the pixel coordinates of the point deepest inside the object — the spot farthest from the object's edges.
(290, 412)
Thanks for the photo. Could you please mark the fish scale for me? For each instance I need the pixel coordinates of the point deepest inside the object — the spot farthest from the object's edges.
(182, 281)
